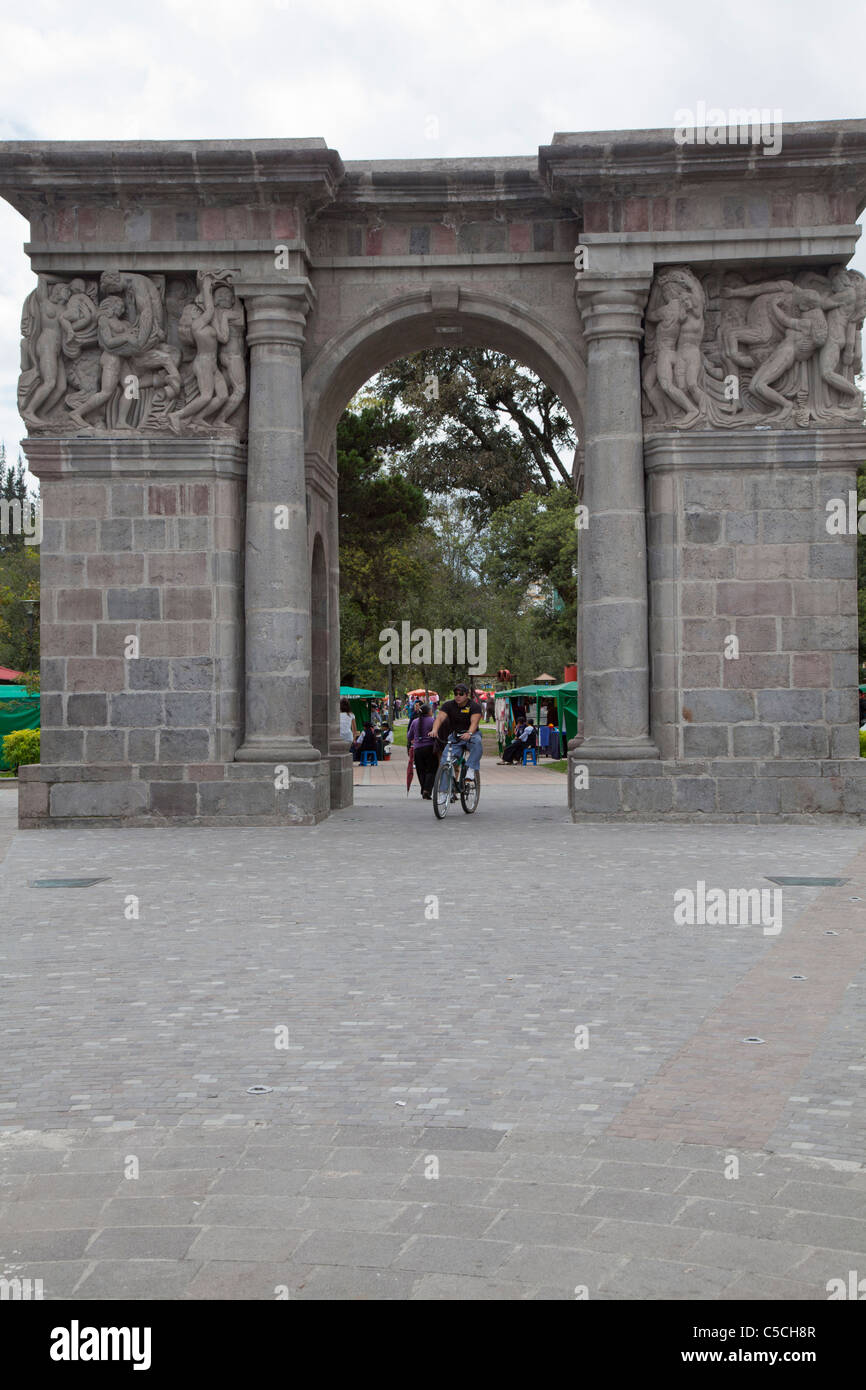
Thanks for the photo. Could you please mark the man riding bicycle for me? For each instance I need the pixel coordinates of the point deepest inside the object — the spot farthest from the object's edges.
(464, 716)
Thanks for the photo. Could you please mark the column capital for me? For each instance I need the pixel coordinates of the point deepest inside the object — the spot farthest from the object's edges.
(612, 306)
(277, 308)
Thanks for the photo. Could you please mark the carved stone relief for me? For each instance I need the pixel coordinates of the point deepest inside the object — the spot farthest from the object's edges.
(151, 353)
(738, 349)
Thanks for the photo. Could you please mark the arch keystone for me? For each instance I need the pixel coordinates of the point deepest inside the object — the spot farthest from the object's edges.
(445, 299)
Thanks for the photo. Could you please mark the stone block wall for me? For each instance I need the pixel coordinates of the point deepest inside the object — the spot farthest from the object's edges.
(739, 548)
(134, 552)
(143, 542)
(144, 539)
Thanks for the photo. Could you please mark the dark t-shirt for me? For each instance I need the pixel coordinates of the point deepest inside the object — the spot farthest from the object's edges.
(460, 713)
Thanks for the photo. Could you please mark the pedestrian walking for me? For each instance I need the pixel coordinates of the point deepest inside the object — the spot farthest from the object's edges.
(420, 741)
(348, 727)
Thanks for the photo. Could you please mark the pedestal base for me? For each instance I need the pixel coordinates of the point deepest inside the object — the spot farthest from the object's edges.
(218, 794)
(342, 780)
(723, 790)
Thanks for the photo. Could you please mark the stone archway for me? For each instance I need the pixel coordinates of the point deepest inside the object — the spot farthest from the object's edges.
(399, 327)
(429, 318)
(205, 309)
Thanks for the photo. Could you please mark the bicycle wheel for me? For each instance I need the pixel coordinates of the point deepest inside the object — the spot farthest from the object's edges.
(442, 790)
(470, 793)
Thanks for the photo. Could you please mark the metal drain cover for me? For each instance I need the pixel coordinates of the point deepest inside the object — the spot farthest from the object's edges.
(66, 882)
(259, 1090)
(807, 882)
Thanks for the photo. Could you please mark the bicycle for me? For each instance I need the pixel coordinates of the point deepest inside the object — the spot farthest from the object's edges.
(451, 781)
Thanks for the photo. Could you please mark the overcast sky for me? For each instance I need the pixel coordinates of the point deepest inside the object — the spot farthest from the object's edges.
(499, 78)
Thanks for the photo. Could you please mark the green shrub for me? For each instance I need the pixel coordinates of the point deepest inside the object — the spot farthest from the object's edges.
(21, 746)
(863, 743)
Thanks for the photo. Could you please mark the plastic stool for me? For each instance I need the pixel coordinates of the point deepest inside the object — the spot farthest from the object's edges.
(369, 759)
(530, 753)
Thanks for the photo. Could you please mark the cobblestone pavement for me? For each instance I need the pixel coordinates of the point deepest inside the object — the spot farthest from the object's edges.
(434, 1126)
(392, 773)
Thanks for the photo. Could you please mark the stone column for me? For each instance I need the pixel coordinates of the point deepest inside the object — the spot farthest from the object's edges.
(277, 573)
(340, 761)
(614, 675)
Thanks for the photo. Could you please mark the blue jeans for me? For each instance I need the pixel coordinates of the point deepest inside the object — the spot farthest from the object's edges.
(473, 756)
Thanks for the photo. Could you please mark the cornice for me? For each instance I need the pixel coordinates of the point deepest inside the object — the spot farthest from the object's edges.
(422, 186)
(758, 449)
(827, 154)
(34, 174)
(105, 455)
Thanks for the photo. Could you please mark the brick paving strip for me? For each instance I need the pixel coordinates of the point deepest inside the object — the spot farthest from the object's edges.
(263, 1211)
(717, 1088)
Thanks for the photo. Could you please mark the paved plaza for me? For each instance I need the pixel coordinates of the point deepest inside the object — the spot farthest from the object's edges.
(497, 1066)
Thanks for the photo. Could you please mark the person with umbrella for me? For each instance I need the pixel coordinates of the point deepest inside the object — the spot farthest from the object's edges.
(422, 752)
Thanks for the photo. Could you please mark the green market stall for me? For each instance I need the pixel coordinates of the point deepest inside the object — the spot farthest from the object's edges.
(536, 699)
(360, 702)
(18, 710)
(567, 705)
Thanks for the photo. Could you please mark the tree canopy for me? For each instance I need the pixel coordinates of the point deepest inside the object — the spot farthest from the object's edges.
(484, 425)
(19, 579)
(457, 511)
(381, 564)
